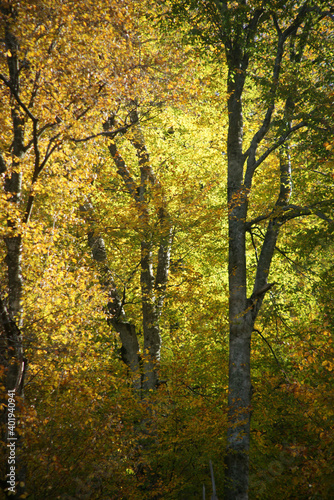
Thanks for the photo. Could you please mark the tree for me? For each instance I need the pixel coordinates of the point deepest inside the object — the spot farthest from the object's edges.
(86, 128)
(154, 269)
(45, 104)
(63, 74)
(77, 357)
(268, 52)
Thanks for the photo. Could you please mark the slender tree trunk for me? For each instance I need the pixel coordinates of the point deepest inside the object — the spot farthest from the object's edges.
(153, 279)
(116, 314)
(12, 354)
(142, 361)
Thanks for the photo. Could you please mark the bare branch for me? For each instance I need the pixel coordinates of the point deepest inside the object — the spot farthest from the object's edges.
(262, 291)
(254, 245)
(270, 239)
(252, 164)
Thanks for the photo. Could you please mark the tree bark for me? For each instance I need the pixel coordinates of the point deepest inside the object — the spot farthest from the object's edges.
(116, 314)
(11, 348)
(241, 324)
(243, 311)
(142, 361)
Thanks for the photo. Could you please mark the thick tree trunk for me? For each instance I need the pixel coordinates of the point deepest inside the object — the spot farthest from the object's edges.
(241, 325)
(243, 311)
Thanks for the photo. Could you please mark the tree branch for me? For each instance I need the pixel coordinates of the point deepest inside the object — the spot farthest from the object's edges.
(272, 351)
(18, 99)
(109, 134)
(278, 143)
(123, 171)
(290, 212)
(269, 243)
(252, 164)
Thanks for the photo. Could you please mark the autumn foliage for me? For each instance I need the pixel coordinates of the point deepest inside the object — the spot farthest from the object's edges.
(114, 281)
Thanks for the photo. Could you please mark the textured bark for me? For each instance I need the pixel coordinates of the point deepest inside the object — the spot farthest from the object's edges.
(116, 314)
(242, 317)
(243, 311)
(127, 332)
(239, 396)
(11, 344)
(153, 281)
(14, 364)
(142, 361)
(12, 353)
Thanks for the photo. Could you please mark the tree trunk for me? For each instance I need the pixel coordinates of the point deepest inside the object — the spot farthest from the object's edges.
(142, 361)
(12, 355)
(153, 281)
(243, 311)
(241, 324)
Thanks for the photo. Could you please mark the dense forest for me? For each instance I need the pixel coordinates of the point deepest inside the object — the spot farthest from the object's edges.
(167, 221)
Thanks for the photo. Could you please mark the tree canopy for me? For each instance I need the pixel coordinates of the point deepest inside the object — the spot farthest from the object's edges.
(166, 222)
